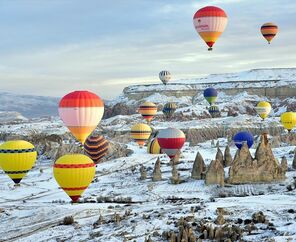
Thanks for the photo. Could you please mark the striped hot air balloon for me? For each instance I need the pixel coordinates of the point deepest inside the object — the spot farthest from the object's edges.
(74, 173)
(210, 22)
(141, 133)
(169, 109)
(165, 77)
(171, 140)
(269, 31)
(153, 147)
(243, 137)
(210, 95)
(288, 120)
(214, 110)
(96, 147)
(81, 111)
(263, 109)
(148, 110)
(17, 157)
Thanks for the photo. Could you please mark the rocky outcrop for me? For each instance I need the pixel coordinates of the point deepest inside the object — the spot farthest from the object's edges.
(175, 179)
(227, 157)
(219, 156)
(156, 176)
(215, 173)
(294, 160)
(143, 173)
(119, 109)
(263, 168)
(199, 167)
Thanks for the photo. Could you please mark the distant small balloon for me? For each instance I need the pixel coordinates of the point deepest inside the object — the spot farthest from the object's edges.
(269, 31)
(214, 110)
(169, 109)
(165, 77)
(263, 109)
(210, 95)
(243, 137)
(288, 120)
(148, 110)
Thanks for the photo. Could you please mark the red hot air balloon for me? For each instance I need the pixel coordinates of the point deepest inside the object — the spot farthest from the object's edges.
(81, 111)
(171, 140)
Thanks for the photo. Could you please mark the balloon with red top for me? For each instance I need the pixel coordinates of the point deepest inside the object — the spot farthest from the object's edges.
(171, 140)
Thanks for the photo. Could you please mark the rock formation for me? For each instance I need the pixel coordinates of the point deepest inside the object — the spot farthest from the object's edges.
(219, 156)
(157, 172)
(143, 173)
(284, 164)
(263, 168)
(294, 160)
(199, 167)
(215, 173)
(227, 157)
(175, 179)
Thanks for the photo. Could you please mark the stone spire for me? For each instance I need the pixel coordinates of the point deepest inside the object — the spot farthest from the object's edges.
(227, 157)
(219, 156)
(215, 173)
(199, 167)
(157, 172)
(294, 160)
(143, 173)
(175, 179)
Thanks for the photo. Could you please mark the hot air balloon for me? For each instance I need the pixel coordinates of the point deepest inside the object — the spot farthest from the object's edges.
(214, 110)
(153, 147)
(288, 120)
(141, 133)
(210, 22)
(243, 137)
(210, 95)
(148, 110)
(165, 76)
(169, 109)
(96, 147)
(269, 31)
(17, 157)
(171, 140)
(81, 111)
(74, 173)
(263, 109)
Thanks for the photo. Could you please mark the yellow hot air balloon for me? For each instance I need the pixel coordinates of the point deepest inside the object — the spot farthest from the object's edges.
(153, 147)
(288, 120)
(263, 109)
(141, 133)
(148, 111)
(74, 173)
(17, 157)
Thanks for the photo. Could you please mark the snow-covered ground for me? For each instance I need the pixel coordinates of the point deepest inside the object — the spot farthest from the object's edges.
(34, 211)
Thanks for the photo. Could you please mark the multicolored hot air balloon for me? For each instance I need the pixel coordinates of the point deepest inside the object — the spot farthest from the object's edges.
(288, 120)
(165, 77)
(171, 140)
(148, 110)
(17, 157)
(153, 147)
(269, 31)
(74, 173)
(210, 95)
(243, 137)
(210, 22)
(96, 147)
(81, 111)
(263, 109)
(214, 110)
(141, 133)
(169, 109)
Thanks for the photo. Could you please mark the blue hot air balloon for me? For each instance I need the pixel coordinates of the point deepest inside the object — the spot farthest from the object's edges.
(210, 95)
(242, 137)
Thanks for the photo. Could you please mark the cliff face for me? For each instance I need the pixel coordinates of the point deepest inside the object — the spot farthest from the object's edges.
(263, 168)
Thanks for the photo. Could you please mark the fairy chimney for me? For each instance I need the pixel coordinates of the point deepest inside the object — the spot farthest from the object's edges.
(156, 176)
(215, 173)
(143, 173)
(219, 156)
(175, 179)
(227, 157)
(199, 167)
(294, 160)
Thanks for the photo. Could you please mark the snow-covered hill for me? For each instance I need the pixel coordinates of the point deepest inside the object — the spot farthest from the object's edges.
(28, 105)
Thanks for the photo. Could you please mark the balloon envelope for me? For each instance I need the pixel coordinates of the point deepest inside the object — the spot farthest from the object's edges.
(263, 109)
(169, 109)
(210, 95)
(269, 31)
(96, 147)
(243, 137)
(17, 157)
(165, 77)
(214, 110)
(141, 133)
(148, 110)
(288, 120)
(74, 173)
(153, 147)
(81, 111)
(171, 140)
(210, 22)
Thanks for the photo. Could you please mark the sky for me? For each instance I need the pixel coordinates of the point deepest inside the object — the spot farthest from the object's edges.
(52, 47)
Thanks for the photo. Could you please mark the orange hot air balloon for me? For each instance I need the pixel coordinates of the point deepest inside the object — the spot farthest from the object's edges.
(210, 22)
(148, 111)
(74, 173)
(81, 111)
(269, 31)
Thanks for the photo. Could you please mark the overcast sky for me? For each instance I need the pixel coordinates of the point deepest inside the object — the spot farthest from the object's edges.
(51, 47)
